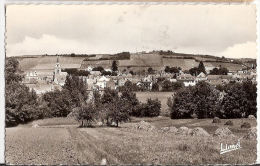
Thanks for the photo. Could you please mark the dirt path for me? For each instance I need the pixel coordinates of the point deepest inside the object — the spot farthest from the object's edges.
(90, 149)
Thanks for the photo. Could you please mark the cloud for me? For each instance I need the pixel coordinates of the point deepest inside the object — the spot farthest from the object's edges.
(113, 28)
(242, 50)
(50, 44)
(46, 44)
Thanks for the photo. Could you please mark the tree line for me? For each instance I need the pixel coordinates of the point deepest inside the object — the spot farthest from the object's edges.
(233, 100)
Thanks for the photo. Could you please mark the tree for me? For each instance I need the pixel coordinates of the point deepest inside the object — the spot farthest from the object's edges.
(201, 100)
(171, 86)
(151, 108)
(155, 87)
(130, 98)
(119, 111)
(172, 69)
(12, 73)
(194, 71)
(105, 73)
(167, 69)
(114, 66)
(201, 68)
(116, 109)
(220, 71)
(239, 100)
(99, 68)
(109, 96)
(76, 89)
(88, 113)
(150, 70)
(73, 94)
(21, 102)
(131, 72)
(167, 85)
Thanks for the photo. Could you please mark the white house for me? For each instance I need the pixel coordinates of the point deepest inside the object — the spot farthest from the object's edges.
(187, 79)
(201, 77)
(101, 82)
(90, 68)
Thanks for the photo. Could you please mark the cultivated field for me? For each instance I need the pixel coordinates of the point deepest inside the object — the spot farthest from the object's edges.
(162, 96)
(60, 141)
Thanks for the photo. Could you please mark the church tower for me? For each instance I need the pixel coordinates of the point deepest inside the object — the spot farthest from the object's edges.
(57, 69)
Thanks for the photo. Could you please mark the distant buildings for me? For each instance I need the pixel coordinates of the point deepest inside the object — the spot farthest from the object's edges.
(187, 79)
(44, 81)
(48, 80)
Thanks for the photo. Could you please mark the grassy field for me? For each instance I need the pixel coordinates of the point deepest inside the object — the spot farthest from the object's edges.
(60, 141)
(162, 96)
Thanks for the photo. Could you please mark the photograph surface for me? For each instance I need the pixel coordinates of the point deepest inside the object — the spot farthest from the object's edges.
(130, 84)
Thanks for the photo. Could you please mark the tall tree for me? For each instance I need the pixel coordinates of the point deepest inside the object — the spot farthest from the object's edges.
(201, 67)
(114, 66)
(21, 102)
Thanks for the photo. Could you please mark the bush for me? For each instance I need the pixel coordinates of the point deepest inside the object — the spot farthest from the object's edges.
(239, 100)
(229, 123)
(216, 120)
(171, 86)
(202, 100)
(246, 125)
(151, 108)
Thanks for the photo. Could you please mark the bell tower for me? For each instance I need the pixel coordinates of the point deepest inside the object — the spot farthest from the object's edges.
(57, 69)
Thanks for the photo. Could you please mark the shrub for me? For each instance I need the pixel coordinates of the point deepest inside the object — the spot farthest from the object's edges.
(229, 123)
(216, 120)
(202, 100)
(246, 125)
(239, 100)
(151, 108)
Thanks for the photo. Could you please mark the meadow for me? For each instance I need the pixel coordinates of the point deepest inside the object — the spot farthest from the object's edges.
(61, 141)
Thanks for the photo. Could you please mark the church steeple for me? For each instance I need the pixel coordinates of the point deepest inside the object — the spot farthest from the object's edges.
(58, 59)
(57, 66)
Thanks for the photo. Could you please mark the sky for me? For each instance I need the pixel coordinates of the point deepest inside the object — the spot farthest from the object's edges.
(220, 30)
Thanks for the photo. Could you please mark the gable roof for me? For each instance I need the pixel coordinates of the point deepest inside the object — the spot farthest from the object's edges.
(201, 75)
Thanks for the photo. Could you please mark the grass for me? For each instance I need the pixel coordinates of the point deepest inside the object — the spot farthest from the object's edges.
(125, 145)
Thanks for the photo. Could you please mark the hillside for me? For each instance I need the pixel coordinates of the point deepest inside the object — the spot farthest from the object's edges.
(134, 61)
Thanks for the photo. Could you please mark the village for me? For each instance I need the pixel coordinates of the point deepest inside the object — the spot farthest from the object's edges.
(45, 81)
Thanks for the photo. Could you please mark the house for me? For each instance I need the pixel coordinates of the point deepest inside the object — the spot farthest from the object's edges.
(89, 68)
(108, 70)
(95, 73)
(31, 78)
(102, 82)
(111, 84)
(201, 77)
(173, 80)
(219, 79)
(90, 83)
(214, 80)
(187, 79)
